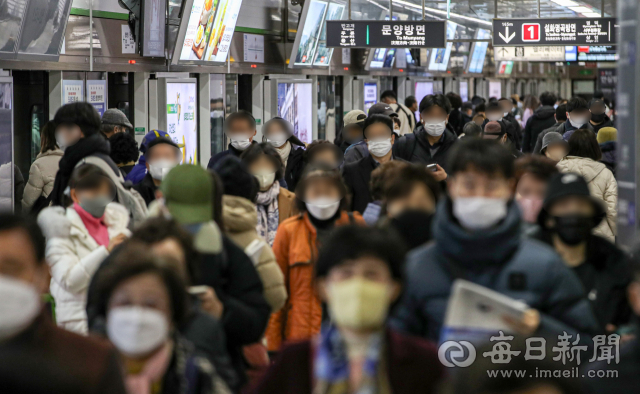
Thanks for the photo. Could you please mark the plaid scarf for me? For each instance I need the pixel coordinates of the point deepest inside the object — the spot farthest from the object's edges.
(331, 364)
(268, 214)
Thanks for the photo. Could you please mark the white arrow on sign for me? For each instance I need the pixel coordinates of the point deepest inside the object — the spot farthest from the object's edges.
(506, 33)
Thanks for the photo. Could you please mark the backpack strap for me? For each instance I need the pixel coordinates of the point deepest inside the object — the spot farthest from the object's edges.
(411, 118)
(405, 146)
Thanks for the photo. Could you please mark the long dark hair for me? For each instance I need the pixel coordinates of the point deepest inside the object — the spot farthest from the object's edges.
(48, 137)
(583, 143)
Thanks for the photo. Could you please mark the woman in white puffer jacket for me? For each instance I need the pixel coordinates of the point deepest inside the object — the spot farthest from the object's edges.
(79, 238)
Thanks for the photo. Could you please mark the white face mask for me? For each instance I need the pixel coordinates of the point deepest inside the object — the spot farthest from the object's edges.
(322, 208)
(265, 179)
(435, 129)
(505, 114)
(19, 306)
(160, 168)
(136, 331)
(217, 113)
(379, 147)
(479, 213)
(241, 143)
(577, 121)
(494, 117)
(63, 141)
(277, 139)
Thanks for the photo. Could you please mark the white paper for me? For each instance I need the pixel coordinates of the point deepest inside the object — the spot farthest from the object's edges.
(474, 310)
(96, 96)
(128, 43)
(72, 91)
(254, 48)
(254, 250)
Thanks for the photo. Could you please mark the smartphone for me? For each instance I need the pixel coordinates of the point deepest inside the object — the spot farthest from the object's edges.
(432, 167)
(197, 290)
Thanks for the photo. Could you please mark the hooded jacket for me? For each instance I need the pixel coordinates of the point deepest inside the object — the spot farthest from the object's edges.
(542, 118)
(490, 258)
(240, 219)
(602, 185)
(296, 251)
(41, 176)
(74, 256)
(609, 155)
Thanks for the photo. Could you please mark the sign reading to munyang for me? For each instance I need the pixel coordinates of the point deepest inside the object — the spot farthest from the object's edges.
(555, 32)
(386, 34)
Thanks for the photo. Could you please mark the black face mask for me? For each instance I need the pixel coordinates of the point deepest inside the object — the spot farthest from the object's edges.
(414, 227)
(598, 118)
(573, 229)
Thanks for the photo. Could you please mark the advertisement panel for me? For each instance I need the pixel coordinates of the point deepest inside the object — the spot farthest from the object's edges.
(323, 54)
(370, 95)
(6, 145)
(72, 91)
(209, 30)
(97, 95)
(422, 89)
(440, 57)
(479, 52)
(182, 115)
(311, 33)
(296, 106)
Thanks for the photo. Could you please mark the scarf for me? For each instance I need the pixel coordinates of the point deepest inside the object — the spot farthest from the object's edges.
(148, 379)
(268, 215)
(72, 155)
(95, 226)
(331, 364)
(284, 152)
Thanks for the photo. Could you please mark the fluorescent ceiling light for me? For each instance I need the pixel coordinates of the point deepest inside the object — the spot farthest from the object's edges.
(581, 9)
(592, 14)
(443, 12)
(565, 3)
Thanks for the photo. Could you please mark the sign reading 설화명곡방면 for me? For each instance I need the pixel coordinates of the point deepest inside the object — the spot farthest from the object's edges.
(555, 32)
(386, 34)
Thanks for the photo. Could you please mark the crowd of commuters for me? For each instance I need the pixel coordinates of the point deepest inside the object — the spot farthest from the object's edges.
(327, 267)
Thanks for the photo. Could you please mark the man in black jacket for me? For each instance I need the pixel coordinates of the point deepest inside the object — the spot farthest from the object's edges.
(561, 117)
(495, 114)
(162, 155)
(431, 141)
(541, 119)
(578, 116)
(378, 133)
(599, 118)
(240, 128)
(507, 111)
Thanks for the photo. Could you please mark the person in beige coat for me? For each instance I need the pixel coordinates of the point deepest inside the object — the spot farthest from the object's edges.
(43, 170)
(583, 158)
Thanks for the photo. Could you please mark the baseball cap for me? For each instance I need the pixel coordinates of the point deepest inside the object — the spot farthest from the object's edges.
(551, 138)
(597, 105)
(565, 185)
(116, 117)
(188, 192)
(150, 136)
(355, 116)
(383, 109)
(492, 130)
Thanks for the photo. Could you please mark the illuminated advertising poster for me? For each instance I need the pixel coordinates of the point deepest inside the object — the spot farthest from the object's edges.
(295, 106)
(495, 89)
(378, 58)
(181, 119)
(209, 30)
(476, 64)
(6, 147)
(464, 91)
(422, 89)
(72, 91)
(370, 95)
(311, 33)
(323, 54)
(440, 56)
(96, 95)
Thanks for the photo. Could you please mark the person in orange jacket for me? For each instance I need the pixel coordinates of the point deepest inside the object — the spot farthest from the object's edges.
(321, 197)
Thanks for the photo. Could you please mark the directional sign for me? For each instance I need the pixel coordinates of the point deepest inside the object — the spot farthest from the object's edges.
(386, 34)
(530, 54)
(554, 32)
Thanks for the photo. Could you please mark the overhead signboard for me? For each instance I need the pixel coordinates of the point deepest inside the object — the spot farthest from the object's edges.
(554, 32)
(529, 54)
(386, 34)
